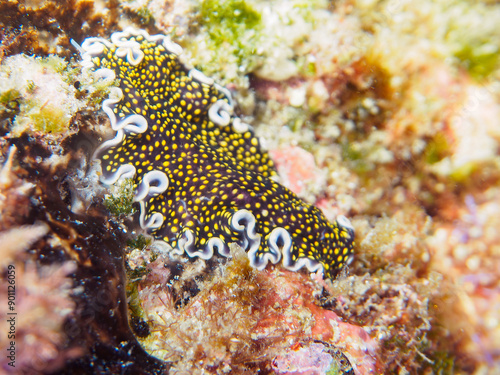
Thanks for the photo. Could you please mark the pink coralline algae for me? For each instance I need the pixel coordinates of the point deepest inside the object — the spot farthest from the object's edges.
(296, 167)
(242, 317)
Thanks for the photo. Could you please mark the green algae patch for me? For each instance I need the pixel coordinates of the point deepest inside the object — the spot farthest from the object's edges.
(141, 9)
(357, 157)
(120, 202)
(480, 61)
(463, 173)
(443, 363)
(9, 103)
(46, 119)
(233, 30)
(227, 20)
(334, 369)
(37, 94)
(139, 242)
(41, 95)
(437, 148)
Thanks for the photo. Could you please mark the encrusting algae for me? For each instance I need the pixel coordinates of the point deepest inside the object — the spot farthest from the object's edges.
(383, 111)
(239, 319)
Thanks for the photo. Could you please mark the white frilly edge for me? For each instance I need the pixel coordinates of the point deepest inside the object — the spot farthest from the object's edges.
(199, 76)
(187, 244)
(279, 243)
(344, 222)
(243, 221)
(219, 113)
(156, 182)
(311, 265)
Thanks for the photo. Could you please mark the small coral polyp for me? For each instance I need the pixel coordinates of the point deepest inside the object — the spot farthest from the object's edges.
(202, 180)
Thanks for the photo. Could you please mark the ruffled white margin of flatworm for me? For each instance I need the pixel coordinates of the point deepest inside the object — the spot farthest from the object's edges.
(155, 182)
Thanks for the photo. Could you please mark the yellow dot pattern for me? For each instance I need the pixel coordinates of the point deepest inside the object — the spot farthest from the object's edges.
(213, 171)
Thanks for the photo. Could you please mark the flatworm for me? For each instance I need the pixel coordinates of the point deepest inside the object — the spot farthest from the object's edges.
(202, 180)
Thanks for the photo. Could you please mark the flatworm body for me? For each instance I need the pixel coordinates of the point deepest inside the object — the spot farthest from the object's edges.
(201, 178)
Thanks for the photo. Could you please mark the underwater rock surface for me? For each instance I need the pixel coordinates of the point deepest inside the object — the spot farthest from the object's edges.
(384, 112)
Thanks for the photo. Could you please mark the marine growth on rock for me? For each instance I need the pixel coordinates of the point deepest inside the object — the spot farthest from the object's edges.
(201, 178)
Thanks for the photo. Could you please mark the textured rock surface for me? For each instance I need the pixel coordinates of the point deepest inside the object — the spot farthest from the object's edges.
(396, 106)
